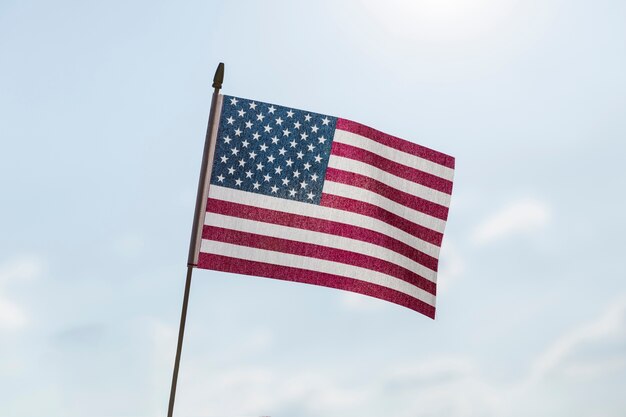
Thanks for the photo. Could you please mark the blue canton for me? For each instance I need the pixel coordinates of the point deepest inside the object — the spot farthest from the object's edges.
(273, 150)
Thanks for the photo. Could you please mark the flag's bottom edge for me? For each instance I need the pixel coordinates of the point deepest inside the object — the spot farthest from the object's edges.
(285, 273)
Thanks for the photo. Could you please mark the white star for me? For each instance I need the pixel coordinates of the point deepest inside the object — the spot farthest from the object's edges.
(245, 143)
(252, 155)
(290, 113)
(220, 178)
(234, 151)
(296, 174)
(275, 140)
(282, 151)
(286, 132)
(300, 154)
(272, 109)
(318, 159)
(253, 105)
(249, 174)
(237, 133)
(230, 120)
(279, 121)
(241, 113)
(307, 118)
(256, 136)
(260, 117)
(314, 177)
(310, 196)
(267, 128)
(224, 159)
(292, 193)
(263, 147)
(278, 170)
(311, 147)
(249, 124)
(256, 185)
(289, 162)
(303, 135)
(270, 159)
(293, 143)
(274, 189)
(325, 121)
(227, 139)
(231, 170)
(267, 177)
(307, 166)
(321, 139)
(238, 182)
(260, 166)
(285, 181)
(296, 125)
(234, 101)
(303, 184)
(242, 162)
(314, 129)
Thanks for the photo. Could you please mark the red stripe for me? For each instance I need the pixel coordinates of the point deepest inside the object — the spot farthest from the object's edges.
(317, 225)
(396, 143)
(370, 210)
(392, 167)
(400, 197)
(262, 269)
(319, 252)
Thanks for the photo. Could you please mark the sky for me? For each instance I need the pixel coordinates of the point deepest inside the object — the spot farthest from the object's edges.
(103, 111)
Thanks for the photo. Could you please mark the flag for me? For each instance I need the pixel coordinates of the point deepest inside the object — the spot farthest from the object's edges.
(306, 197)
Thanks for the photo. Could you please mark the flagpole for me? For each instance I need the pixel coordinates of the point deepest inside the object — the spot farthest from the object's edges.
(218, 78)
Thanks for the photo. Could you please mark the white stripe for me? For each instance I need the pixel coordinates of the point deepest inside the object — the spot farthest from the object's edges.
(318, 238)
(393, 154)
(370, 171)
(362, 194)
(318, 265)
(324, 213)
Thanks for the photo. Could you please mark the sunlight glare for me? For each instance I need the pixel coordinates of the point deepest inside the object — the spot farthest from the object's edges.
(440, 20)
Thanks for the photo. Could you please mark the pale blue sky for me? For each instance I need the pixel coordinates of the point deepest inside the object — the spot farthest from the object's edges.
(103, 107)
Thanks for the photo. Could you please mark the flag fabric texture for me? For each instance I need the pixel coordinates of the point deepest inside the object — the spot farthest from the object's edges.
(306, 197)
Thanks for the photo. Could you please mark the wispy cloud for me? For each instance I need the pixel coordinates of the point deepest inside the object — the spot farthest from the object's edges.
(452, 266)
(517, 218)
(592, 348)
(12, 272)
(450, 386)
(11, 315)
(264, 391)
(20, 268)
(360, 303)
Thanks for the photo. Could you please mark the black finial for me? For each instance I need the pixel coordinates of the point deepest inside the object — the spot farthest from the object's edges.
(218, 78)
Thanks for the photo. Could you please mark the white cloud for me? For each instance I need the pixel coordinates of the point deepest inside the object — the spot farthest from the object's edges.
(13, 272)
(360, 303)
(262, 391)
(450, 386)
(446, 386)
(451, 266)
(19, 269)
(572, 354)
(518, 218)
(11, 316)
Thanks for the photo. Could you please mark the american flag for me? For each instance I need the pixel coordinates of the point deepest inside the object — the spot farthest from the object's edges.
(306, 197)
